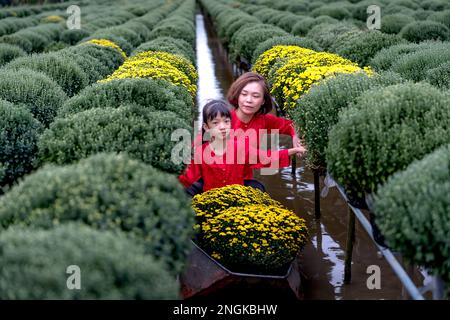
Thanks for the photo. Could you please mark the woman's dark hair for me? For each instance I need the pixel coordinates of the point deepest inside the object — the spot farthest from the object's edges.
(241, 82)
(212, 109)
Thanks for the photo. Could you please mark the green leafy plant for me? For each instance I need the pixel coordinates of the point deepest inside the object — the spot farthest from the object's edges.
(34, 264)
(107, 192)
(18, 138)
(413, 212)
(384, 131)
(425, 30)
(317, 111)
(41, 95)
(153, 94)
(141, 133)
(63, 71)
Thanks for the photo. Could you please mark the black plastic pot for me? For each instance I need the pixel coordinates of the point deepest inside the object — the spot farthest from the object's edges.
(355, 200)
(376, 232)
(204, 276)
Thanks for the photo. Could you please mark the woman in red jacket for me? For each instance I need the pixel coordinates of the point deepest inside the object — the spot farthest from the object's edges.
(222, 160)
(252, 102)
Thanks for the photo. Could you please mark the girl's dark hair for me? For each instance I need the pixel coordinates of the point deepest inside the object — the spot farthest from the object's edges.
(212, 109)
(241, 82)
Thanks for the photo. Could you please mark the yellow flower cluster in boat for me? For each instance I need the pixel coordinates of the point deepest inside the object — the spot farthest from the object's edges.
(246, 230)
(209, 204)
(255, 237)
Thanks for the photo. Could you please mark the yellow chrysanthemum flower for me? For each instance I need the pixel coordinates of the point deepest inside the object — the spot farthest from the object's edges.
(265, 61)
(52, 19)
(106, 43)
(271, 238)
(158, 65)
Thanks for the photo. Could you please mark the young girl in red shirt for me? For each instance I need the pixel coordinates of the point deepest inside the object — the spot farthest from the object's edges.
(223, 159)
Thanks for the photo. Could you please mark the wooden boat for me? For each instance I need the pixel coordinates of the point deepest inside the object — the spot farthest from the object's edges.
(205, 276)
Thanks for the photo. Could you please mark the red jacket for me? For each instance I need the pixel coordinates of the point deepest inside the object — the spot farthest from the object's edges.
(258, 123)
(222, 170)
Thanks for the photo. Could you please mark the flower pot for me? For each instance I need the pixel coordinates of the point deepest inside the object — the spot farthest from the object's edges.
(355, 200)
(204, 276)
(376, 232)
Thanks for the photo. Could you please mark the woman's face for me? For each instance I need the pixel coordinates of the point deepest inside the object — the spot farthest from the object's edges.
(251, 98)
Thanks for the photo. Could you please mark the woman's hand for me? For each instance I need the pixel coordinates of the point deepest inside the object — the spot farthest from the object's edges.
(296, 142)
(298, 151)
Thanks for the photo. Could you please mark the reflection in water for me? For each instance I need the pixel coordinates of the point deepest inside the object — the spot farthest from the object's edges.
(332, 252)
(296, 183)
(208, 86)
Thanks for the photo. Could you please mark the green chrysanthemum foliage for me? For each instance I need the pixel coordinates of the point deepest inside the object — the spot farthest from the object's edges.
(152, 94)
(19, 133)
(107, 192)
(176, 27)
(440, 76)
(384, 58)
(247, 38)
(384, 131)
(170, 45)
(359, 9)
(435, 5)
(414, 65)
(111, 266)
(336, 11)
(58, 68)
(10, 25)
(122, 32)
(141, 133)
(360, 46)
(442, 17)
(413, 212)
(41, 95)
(425, 30)
(9, 52)
(393, 23)
(303, 25)
(284, 20)
(34, 39)
(108, 59)
(234, 23)
(325, 34)
(93, 68)
(317, 111)
(73, 36)
(139, 28)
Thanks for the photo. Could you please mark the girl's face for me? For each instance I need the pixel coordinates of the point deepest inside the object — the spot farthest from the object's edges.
(251, 98)
(219, 127)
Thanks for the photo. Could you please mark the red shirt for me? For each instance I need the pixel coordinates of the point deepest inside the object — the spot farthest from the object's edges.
(258, 123)
(263, 121)
(222, 170)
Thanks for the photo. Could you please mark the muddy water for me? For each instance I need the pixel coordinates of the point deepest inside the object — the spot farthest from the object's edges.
(322, 260)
